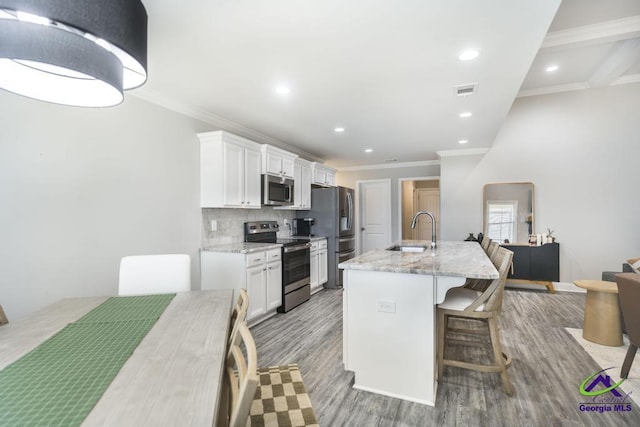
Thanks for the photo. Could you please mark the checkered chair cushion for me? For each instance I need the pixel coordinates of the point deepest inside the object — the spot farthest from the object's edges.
(281, 399)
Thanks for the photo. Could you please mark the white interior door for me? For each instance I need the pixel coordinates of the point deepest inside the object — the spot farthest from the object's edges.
(426, 199)
(375, 214)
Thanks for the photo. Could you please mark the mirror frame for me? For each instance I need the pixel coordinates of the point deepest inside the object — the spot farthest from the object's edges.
(533, 209)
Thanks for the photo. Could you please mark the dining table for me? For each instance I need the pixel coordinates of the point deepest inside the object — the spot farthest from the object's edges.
(173, 377)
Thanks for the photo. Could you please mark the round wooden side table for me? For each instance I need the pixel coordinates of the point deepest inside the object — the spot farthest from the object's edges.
(601, 313)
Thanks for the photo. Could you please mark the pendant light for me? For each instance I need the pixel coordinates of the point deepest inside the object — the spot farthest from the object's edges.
(73, 52)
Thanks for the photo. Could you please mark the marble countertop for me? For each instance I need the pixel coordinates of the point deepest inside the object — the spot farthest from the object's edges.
(241, 247)
(461, 259)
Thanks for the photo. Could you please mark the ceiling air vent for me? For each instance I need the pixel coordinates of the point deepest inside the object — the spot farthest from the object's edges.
(466, 90)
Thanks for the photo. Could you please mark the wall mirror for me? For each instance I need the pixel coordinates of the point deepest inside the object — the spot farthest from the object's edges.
(509, 211)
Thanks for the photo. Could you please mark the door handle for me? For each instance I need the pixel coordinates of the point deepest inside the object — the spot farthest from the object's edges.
(362, 229)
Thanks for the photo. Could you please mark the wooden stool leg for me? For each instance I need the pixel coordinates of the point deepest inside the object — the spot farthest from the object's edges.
(441, 326)
(628, 361)
(3, 317)
(549, 286)
(497, 354)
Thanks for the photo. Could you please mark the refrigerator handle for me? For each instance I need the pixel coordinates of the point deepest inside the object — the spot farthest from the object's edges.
(350, 199)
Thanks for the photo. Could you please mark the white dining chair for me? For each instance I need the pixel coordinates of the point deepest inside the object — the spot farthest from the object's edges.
(153, 274)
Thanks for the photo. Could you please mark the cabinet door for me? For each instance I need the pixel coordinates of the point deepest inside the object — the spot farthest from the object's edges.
(314, 270)
(273, 164)
(252, 188)
(233, 174)
(322, 267)
(521, 265)
(331, 178)
(545, 262)
(319, 176)
(257, 290)
(297, 186)
(274, 285)
(305, 187)
(287, 167)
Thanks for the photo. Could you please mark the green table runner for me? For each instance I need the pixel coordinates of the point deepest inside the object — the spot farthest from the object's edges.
(61, 380)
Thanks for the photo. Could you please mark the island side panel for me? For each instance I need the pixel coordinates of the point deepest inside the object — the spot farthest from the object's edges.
(391, 353)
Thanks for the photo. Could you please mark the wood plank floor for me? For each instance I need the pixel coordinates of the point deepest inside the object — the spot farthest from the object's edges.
(548, 367)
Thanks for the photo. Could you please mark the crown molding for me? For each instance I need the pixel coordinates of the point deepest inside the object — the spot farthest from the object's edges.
(463, 152)
(628, 79)
(553, 89)
(390, 166)
(220, 123)
(619, 29)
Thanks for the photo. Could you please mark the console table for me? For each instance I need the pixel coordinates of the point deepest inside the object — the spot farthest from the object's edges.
(535, 264)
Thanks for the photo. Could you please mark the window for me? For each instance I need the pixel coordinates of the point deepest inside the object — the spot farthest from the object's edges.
(501, 224)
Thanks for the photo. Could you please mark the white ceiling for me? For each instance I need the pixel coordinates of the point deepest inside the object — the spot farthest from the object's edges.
(385, 71)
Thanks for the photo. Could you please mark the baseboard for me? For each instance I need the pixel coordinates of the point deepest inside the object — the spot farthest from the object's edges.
(559, 287)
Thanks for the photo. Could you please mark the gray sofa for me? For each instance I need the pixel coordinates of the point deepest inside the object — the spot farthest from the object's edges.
(610, 276)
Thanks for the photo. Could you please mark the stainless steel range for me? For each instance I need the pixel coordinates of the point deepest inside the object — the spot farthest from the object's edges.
(296, 262)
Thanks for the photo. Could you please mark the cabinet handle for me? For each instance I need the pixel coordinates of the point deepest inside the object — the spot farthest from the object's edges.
(264, 269)
(242, 202)
(258, 259)
(248, 203)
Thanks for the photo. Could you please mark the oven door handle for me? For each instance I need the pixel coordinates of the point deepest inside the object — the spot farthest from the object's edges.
(297, 248)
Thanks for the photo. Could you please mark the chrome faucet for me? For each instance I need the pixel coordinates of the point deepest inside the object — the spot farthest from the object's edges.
(433, 225)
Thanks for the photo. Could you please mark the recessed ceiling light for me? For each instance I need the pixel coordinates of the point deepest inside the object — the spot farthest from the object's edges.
(368, 150)
(463, 141)
(469, 54)
(551, 68)
(338, 130)
(283, 90)
(465, 114)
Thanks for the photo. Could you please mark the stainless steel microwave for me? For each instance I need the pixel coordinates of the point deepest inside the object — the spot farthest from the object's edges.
(277, 190)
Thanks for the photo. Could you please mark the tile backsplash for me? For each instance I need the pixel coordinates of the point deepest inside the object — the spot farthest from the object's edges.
(230, 223)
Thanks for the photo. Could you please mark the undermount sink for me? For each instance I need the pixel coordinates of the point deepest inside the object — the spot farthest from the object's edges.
(407, 248)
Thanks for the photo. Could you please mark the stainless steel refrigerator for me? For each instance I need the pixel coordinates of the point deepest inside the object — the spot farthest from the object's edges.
(333, 211)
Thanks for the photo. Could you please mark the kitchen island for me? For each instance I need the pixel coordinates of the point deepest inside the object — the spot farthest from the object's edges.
(389, 306)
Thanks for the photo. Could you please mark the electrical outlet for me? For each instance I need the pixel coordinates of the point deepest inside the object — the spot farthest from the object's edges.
(214, 225)
(386, 306)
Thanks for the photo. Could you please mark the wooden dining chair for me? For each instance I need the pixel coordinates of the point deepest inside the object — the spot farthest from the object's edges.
(468, 304)
(492, 249)
(3, 317)
(154, 274)
(485, 243)
(238, 315)
(629, 296)
(241, 376)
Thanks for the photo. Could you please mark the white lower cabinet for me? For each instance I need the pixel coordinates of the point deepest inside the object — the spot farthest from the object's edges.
(323, 273)
(318, 265)
(274, 285)
(259, 272)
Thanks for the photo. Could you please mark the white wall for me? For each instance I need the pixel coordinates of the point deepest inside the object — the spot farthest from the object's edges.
(80, 188)
(581, 149)
(350, 179)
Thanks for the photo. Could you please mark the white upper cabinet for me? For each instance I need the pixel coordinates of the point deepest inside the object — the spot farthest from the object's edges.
(277, 162)
(301, 186)
(323, 175)
(229, 171)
